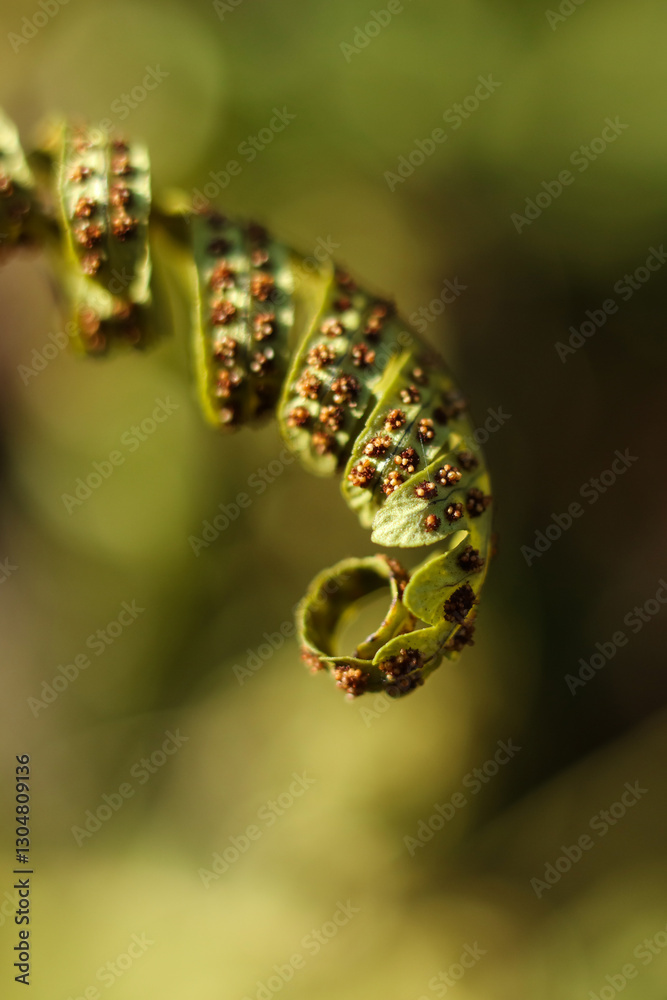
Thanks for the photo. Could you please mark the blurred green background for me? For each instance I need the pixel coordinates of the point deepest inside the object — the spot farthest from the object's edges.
(378, 768)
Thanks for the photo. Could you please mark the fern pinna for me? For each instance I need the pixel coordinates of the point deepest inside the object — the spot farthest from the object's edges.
(354, 388)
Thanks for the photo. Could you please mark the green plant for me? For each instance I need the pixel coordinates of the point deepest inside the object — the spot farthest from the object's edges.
(353, 387)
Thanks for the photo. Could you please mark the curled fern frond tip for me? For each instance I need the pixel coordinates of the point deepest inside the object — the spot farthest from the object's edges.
(355, 390)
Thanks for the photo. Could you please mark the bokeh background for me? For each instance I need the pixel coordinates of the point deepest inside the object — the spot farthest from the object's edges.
(377, 769)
